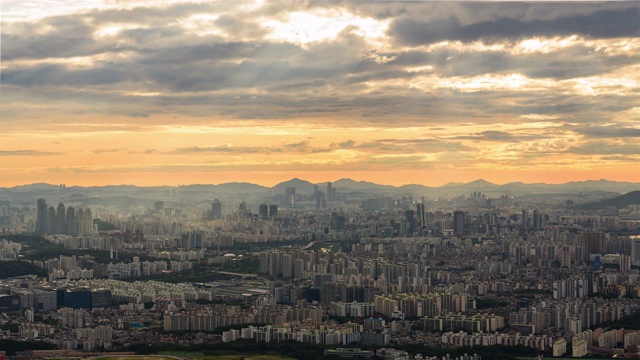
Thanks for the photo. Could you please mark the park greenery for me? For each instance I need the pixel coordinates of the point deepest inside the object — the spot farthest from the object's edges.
(630, 322)
(38, 248)
(19, 268)
(104, 225)
(12, 346)
(487, 303)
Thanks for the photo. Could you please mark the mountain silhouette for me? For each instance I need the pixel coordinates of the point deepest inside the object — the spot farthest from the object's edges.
(619, 202)
(344, 185)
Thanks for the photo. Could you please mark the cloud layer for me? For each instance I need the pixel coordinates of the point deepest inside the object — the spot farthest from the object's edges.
(317, 86)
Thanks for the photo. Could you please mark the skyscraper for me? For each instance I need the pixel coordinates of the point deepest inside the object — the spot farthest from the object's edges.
(635, 251)
(51, 220)
(525, 219)
(318, 198)
(263, 211)
(72, 224)
(329, 191)
(79, 221)
(273, 210)
(592, 242)
(410, 220)
(420, 214)
(85, 221)
(61, 222)
(537, 220)
(41, 222)
(290, 195)
(458, 222)
(158, 207)
(216, 210)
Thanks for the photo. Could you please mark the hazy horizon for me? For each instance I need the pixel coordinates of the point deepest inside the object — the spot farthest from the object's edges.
(154, 93)
(270, 185)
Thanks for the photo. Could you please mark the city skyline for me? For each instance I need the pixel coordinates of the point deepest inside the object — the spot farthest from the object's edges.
(184, 92)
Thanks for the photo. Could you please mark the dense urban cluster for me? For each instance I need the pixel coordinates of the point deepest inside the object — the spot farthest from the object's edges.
(352, 272)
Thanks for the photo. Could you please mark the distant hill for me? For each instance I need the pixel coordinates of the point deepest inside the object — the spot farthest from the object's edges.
(451, 183)
(416, 189)
(20, 268)
(598, 185)
(480, 182)
(131, 195)
(362, 186)
(240, 186)
(31, 189)
(301, 186)
(618, 202)
(230, 187)
(36, 186)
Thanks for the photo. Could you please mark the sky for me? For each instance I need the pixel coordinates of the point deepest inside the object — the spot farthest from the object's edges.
(159, 92)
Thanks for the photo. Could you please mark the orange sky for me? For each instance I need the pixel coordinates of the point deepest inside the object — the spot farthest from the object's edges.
(181, 92)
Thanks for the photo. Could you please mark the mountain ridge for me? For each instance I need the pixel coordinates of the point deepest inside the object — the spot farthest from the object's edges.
(350, 185)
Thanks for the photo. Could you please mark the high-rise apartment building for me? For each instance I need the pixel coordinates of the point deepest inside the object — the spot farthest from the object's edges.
(592, 242)
(420, 214)
(537, 220)
(525, 219)
(51, 220)
(216, 210)
(458, 222)
(41, 222)
(263, 211)
(290, 195)
(273, 210)
(635, 251)
(60, 226)
(410, 222)
(72, 223)
(158, 207)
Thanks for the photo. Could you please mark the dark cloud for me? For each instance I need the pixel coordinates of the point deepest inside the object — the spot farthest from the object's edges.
(59, 75)
(344, 145)
(567, 63)
(303, 147)
(499, 136)
(144, 152)
(608, 132)
(69, 36)
(381, 146)
(412, 146)
(600, 24)
(219, 149)
(103, 151)
(603, 147)
(241, 26)
(629, 159)
(73, 35)
(244, 76)
(471, 12)
(187, 55)
(27, 153)
(44, 46)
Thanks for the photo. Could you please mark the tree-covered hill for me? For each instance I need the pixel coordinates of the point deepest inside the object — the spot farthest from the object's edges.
(618, 202)
(18, 268)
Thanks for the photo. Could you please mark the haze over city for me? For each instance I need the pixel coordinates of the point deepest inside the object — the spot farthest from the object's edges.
(182, 92)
